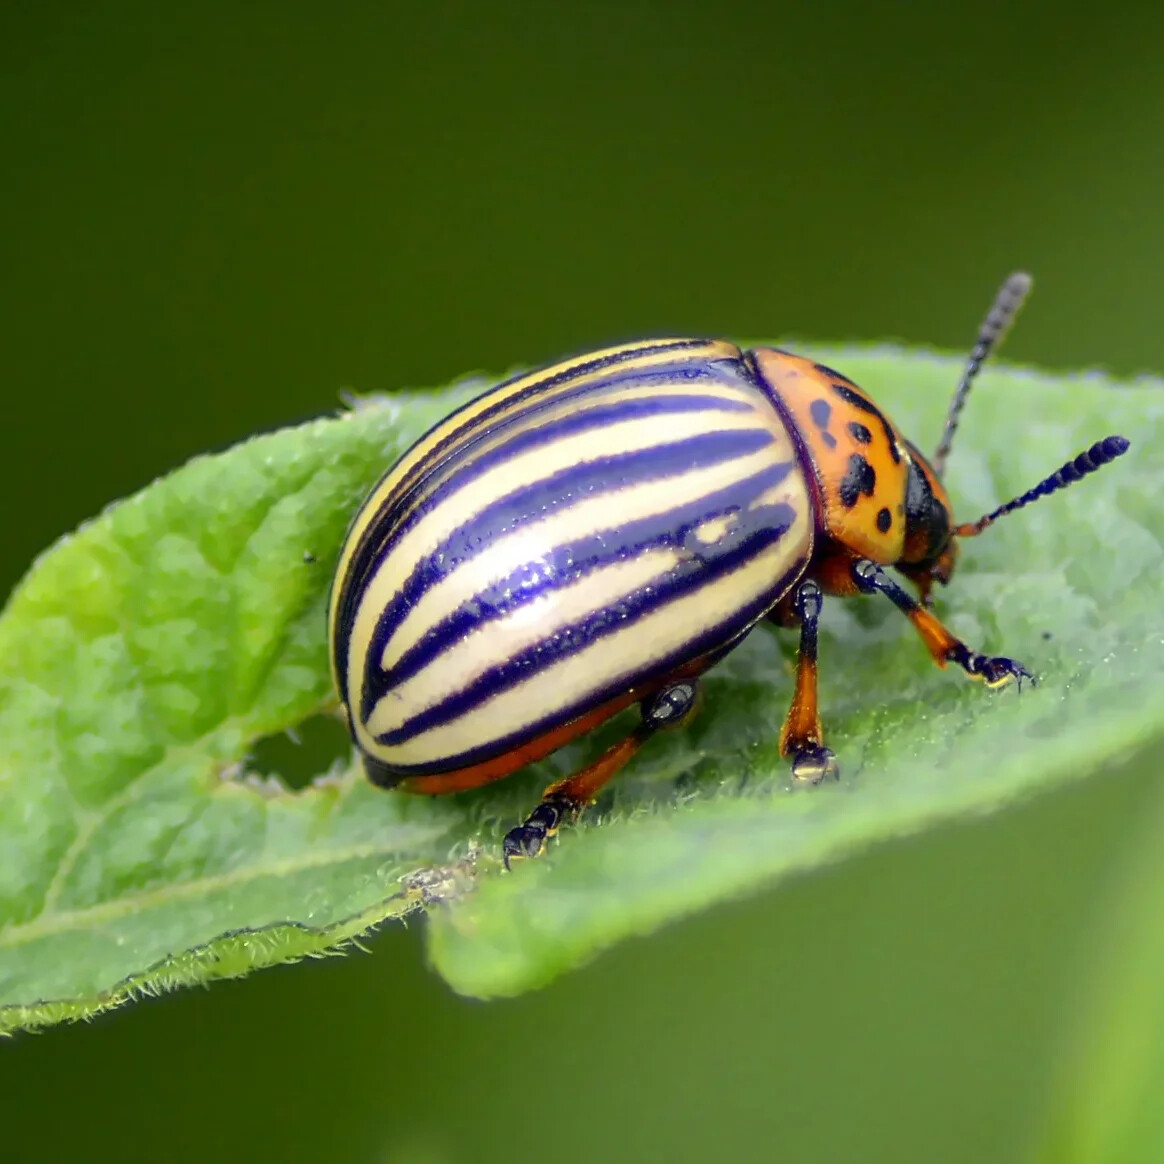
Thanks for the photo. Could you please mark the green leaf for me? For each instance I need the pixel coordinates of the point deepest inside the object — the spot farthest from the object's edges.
(145, 656)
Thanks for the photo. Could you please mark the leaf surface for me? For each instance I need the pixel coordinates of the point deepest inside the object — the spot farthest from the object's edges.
(145, 656)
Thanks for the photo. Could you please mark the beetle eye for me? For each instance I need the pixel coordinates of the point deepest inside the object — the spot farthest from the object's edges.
(927, 521)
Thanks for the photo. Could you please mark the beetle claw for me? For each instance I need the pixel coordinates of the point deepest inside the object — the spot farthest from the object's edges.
(1001, 671)
(814, 764)
(518, 845)
(529, 838)
(994, 671)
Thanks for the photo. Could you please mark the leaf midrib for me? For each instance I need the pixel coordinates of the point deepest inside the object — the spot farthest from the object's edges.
(61, 921)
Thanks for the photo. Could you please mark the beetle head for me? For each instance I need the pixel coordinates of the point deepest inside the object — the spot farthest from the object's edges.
(930, 552)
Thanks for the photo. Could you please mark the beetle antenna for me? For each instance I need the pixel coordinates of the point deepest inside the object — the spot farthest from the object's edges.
(1101, 453)
(1007, 304)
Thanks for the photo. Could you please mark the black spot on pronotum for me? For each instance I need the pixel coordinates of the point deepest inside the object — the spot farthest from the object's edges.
(309, 559)
(860, 432)
(884, 520)
(859, 479)
(829, 439)
(855, 399)
(820, 411)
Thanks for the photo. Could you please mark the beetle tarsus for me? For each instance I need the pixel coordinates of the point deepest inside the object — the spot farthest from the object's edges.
(814, 764)
(994, 671)
(529, 838)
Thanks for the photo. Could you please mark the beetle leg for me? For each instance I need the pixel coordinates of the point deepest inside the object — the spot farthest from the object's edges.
(945, 647)
(801, 736)
(670, 707)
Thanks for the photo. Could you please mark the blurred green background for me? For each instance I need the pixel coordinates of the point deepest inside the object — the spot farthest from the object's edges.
(216, 219)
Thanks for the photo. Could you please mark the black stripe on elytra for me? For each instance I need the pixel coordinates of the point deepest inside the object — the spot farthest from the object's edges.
(554, 379)
(547, 495)
(397, 516)
(465, 474)
(858, 401)
(565, 564)
(713, 641)
(763, 528)
(404, 501)
(352, 584)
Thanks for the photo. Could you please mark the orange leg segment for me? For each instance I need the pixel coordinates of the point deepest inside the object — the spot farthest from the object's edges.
(945, 647)
(801, 737)
(672, 706)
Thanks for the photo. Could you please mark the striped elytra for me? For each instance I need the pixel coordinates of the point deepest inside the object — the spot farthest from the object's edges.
(600, 532)
(568, 538)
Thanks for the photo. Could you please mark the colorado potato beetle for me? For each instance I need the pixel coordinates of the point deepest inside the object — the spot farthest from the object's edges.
(600, 532)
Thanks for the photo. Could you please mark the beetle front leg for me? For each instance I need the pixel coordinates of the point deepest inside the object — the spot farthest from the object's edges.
(670, 707)
(801, 736)
(945, 647)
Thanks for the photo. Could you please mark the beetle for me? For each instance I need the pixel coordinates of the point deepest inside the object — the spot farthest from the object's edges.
(600, 532)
